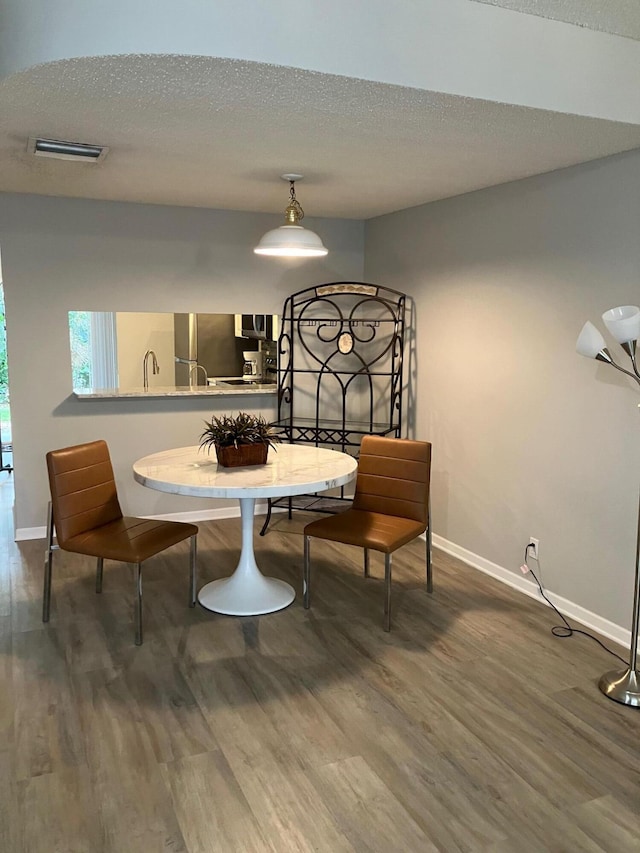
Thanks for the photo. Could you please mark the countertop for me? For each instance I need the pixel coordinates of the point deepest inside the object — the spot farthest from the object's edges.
(220, 389)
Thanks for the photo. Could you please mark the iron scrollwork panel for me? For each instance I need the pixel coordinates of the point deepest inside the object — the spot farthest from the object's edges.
(341, 363)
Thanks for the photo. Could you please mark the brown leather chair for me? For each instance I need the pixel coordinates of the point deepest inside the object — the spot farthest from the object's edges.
(390, 508)
(85, 511)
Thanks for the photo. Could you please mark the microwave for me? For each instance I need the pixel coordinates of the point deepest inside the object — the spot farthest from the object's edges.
(263, 327)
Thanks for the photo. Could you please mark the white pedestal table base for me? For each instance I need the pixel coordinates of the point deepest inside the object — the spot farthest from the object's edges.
(247, 592)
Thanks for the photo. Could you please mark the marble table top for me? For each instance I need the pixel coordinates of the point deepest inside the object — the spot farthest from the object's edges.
(292, 469)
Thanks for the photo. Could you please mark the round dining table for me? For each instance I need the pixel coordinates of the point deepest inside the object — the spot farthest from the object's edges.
(291, 469)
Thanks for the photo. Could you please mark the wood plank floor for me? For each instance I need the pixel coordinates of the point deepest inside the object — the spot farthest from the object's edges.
(467, 728)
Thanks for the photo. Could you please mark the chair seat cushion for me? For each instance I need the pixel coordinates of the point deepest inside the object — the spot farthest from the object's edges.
(130, 540)
(373, 530)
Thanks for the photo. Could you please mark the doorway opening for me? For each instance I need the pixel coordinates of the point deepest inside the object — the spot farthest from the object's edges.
(6, 438)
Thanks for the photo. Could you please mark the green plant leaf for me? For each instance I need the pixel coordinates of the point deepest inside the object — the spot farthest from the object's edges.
(243, 428)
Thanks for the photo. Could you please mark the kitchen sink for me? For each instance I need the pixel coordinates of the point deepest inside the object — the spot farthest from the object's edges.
(243, 382)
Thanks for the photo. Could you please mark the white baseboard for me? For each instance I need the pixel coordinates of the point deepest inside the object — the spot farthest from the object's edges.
(24, 533)
(569, 608)
(212, 514)
(519, 582)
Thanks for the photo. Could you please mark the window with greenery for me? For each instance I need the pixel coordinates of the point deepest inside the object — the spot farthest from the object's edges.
(80, 333)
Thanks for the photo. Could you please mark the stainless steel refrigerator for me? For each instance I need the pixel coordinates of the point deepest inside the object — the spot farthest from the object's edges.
(208, 340)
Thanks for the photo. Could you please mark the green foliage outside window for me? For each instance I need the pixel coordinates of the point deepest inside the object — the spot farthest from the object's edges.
(80, 329)
(80, 332)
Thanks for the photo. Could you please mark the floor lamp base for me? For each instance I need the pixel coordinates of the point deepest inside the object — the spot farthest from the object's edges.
(623, 686)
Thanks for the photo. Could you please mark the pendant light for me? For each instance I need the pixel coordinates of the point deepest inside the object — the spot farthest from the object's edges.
(291, 240)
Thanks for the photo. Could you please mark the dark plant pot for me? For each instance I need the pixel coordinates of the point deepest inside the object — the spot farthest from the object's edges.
(243, 454)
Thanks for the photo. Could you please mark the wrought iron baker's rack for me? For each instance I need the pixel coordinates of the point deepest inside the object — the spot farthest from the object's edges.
(340, 372)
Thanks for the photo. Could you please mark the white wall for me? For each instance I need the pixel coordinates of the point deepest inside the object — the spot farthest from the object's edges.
(449, 46)
(529, 438)
(63, 254)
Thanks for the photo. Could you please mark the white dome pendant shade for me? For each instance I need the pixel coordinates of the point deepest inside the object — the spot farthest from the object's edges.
(291, 240)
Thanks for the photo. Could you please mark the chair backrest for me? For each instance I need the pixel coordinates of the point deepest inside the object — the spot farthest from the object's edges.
(83, 489)
(393, 477)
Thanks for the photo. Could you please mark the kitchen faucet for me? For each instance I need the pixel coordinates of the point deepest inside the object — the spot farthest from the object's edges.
(196, 367)
(155, 367)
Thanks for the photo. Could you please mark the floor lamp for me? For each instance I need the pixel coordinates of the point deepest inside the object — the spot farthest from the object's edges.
(624, 325)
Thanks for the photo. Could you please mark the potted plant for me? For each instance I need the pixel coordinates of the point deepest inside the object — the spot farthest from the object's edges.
(242, 439)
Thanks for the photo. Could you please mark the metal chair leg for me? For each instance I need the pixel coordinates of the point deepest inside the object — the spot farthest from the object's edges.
(267, 519)
(48, 565)
(138, 606)
(429, 569)
(387, 592)
(366, 563)
(192, 571)
(99, 574)
(306, 576)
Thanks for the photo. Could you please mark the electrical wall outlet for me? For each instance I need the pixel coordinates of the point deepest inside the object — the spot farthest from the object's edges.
(532, 548)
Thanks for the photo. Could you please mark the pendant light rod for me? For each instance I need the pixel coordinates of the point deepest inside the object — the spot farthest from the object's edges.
(294, 212)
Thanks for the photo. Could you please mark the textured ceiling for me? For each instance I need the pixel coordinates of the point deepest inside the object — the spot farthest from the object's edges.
(620, 17)
(218, 133)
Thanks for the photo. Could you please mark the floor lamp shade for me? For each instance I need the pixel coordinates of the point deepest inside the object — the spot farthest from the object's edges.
(623, 323)
(590, 342)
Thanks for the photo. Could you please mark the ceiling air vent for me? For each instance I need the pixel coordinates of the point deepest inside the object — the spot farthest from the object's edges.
(78, 151)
